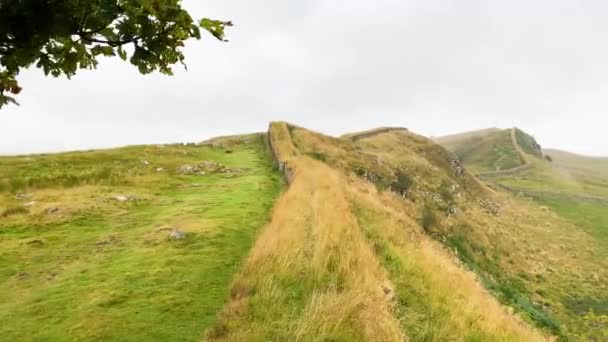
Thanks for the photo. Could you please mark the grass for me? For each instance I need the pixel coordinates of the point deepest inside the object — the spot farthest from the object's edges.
(590, 216)
(380, 236)
(485, 151)
(567, 190)
(530, 259)
(101, 269)
(343, 261)
(435, 299)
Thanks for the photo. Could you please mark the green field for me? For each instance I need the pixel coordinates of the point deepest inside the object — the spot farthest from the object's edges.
(591, 216)
(102, 266)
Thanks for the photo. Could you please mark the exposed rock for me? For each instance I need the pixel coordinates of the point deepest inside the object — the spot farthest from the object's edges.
(189, 169)
(121, 198)
(389, 292)
(177, 234)
(456, 166)
(232, 170)
(163, 228)
(52, 210)
(29, 204)
(23, 196)
(159, 169)
(146, 162)
(211, 166)
(489, 206)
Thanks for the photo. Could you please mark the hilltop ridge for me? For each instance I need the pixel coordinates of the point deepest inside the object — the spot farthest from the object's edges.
(493, 150)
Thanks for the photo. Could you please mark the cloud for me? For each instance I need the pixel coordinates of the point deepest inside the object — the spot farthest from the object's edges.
(436, 67)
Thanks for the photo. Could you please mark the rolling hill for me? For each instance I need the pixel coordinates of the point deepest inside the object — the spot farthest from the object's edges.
(380, 235)
(493, 149)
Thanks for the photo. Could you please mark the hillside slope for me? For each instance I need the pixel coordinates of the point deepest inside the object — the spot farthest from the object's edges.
(574, 188)
(85, 247)
(380, 235)
(344, 259)
(492, 150)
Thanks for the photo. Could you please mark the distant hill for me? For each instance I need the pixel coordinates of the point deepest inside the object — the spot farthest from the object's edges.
(579, 164)
(492, 149)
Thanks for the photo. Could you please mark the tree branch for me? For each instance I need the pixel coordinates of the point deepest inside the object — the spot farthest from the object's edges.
(112, 43)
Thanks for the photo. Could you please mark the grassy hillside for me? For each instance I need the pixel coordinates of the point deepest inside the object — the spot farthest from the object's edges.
(85, 252)
(380, 235)
(590, 172)
(484, 151)
(343, 259)
(574, 188)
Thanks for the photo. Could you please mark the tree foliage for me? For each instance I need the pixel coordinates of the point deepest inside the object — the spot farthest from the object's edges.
(62, 36)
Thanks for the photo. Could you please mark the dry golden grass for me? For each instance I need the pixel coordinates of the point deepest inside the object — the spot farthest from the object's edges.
(312, 248)
(318, 272)
(465, 308)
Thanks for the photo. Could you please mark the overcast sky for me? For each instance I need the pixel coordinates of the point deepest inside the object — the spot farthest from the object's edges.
(436, 67)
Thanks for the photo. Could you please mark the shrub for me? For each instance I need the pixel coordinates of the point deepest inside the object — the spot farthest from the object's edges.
(428, 219)
(446, 193)
(318, 156)
(402, 184)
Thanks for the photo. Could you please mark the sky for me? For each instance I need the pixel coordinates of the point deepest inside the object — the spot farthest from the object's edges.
(436, 67)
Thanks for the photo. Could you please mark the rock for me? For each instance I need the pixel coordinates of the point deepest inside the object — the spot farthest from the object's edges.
(52, 210)
(177, 234)
(23, 196)
(163, 228)
(121, 198)
(232, 170)
(389, 292)
(189, 169)
(489, 206)
(159, 169)
(29, 204)
(146, 162)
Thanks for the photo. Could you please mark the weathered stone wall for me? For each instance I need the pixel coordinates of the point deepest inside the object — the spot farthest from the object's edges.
(277, 156)
(373, 132)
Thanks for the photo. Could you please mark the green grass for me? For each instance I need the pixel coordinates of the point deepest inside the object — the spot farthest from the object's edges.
(100, 269)
(590, 216)
(486, 152)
